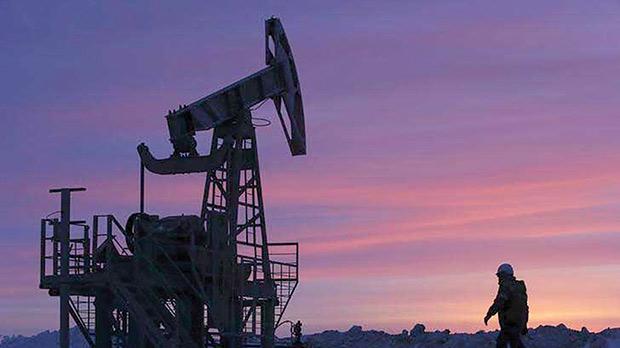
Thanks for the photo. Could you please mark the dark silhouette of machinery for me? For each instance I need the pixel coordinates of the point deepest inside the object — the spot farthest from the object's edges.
(211, 280)
(297, 335)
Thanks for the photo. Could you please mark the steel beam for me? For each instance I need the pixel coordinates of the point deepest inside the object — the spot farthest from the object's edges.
(62, 236)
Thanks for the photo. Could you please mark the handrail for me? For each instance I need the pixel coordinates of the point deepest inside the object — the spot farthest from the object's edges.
(202, 296)
(123, 250)
(170, 292)
(162, 279)
(80, 323)
(126, 294)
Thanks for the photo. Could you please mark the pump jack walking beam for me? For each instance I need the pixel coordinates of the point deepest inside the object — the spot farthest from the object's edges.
(278, 82)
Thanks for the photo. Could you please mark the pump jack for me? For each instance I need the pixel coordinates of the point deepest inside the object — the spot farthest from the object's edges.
(189, 281)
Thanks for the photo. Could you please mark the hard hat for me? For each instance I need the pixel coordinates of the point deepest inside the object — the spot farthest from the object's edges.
(505, 268)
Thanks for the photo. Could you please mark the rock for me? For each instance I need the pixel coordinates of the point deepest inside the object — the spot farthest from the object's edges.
(355, 329)
(418, 330)
(599, 342)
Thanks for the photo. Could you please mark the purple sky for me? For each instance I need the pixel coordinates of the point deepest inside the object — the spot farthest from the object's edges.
(444, 138)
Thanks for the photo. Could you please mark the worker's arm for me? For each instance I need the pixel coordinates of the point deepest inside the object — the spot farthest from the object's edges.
(498, 303)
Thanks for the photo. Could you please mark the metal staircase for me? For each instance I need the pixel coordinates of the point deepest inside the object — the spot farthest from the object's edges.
(82, 310)
(284, 270)
(158, 317)
(158, 321)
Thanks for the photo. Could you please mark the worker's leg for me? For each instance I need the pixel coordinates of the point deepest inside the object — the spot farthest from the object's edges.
(502, 340)
(513, 336)
(515, 342)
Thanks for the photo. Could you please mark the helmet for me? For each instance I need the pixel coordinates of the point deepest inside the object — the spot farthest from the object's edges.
(506, 269)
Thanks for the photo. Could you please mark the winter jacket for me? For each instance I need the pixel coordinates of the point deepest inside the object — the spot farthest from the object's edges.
(511, 303)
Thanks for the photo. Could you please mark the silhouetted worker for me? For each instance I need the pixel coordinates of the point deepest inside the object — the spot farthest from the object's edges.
(511, 304)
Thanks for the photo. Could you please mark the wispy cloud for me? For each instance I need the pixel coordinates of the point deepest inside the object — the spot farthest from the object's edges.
(444, 138)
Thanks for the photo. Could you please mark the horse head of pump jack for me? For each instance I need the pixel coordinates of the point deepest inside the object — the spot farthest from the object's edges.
(232, 106)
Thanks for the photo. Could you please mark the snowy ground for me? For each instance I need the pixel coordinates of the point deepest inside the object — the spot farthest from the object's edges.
(541, 337)
(44, 339)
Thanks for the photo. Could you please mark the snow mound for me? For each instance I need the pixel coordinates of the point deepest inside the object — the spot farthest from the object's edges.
(541, 337)
(42, 340)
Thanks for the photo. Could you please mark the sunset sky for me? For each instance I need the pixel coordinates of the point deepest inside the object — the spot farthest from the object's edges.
(444, 138)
